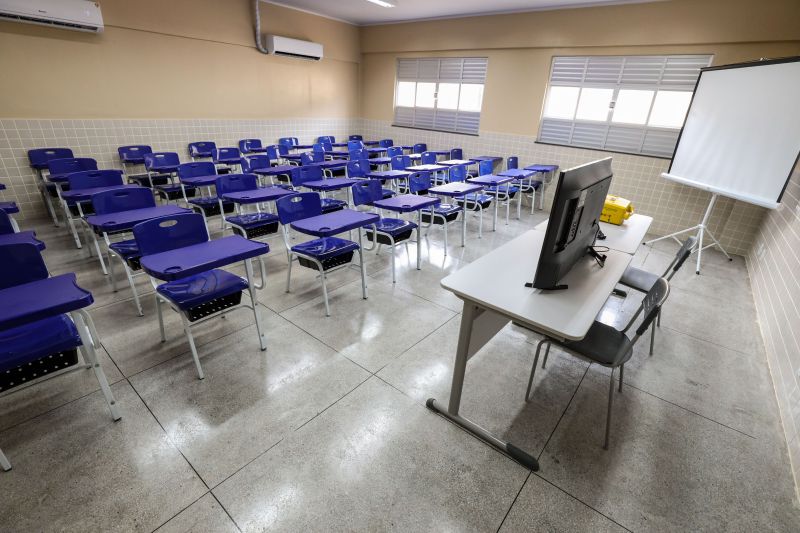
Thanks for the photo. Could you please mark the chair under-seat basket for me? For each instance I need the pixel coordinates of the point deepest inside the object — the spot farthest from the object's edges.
(87, 208)
(472, 205)
(328, 263)
(212, 306)
(142, 179)
(211, 209)
(382, 238)
(134, 263)
(257, 231)
(32, 370)
(437, 218)
(174, 192)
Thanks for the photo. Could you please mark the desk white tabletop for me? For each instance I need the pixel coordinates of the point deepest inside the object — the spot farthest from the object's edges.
(625, 238)
(497, 280)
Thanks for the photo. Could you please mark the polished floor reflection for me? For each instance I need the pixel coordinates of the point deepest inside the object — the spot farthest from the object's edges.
(327, 430)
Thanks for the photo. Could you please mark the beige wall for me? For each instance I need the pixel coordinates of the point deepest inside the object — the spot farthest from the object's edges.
(175, 59)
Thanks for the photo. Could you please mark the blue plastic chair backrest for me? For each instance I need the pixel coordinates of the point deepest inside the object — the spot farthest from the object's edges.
(513, 162)
(170, 232)
(318, 148)
(485, 167)
(458, 173)
(5, 223)
(357, 168)
(327, 146)
(160, 159)
(287, 141)
(201, 148)
(71, 164)
(394, 150)
(236, 182)
(117, 200)
(367, 191)
(456, 153)
(385, 143)
(197, 169)
(253, 162)
(247, 145)
(428, 158)
(227, 153)
(400, 162)
(325, 138)
(419, 148)
(273, 153)
(38, 157)
(419, 182)
(298, 206)
(301, 175)
(133, 151)
(88, 179)
(356, 138)
(20, 263)
(283, 149)
(359, 154)
(354, 145)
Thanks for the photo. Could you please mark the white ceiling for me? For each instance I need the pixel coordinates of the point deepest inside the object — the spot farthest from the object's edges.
(362, 12)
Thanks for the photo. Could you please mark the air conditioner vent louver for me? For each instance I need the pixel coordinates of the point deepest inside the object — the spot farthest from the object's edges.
(76, 15)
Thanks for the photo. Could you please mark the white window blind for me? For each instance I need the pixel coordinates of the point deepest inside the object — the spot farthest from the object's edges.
(633, 104)
(444, 94)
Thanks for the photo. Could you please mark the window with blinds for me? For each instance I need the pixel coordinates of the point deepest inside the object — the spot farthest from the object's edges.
(443, 94)
(632, 104)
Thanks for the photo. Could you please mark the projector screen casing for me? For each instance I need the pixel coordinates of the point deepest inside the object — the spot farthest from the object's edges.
(741, 136)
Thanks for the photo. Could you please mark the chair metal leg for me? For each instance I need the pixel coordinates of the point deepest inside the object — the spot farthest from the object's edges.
(394, 277)
(546, 353)
(82, 320)
(652, 337)
(248, 265)
(289, 272)
(610, 404)
(4, 463)
(658, 318)
(188, 330)
(363, 267)
(533, 368)
(325, 292)
(621, 372)
(129, 274)
(160, 319)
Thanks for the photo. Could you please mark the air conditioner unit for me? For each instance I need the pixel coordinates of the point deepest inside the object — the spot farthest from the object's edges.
(284, 46)
(79, 15)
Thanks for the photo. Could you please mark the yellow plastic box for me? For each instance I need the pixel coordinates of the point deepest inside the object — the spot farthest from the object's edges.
(616, 210)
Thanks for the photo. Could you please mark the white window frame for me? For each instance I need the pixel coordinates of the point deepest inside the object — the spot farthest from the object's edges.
(459, 70)
(658, 73)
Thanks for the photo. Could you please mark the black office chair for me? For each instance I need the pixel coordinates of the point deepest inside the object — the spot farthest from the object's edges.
(642, 280)
(608, 346)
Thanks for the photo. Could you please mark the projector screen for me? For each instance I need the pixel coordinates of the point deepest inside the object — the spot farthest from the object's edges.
(741, 137)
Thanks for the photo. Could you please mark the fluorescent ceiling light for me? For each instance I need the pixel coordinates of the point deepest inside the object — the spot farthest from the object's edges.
(381, 3)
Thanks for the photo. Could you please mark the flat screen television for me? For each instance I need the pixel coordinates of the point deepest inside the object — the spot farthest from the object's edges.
(574, 221)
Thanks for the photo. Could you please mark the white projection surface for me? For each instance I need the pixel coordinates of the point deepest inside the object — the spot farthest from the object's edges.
(741, 137)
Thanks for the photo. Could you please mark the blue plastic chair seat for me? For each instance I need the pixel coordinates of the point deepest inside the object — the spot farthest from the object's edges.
(35, 340)
(9, 207)
(393, 226)
(477, 198)
(492, 190)
(126, 249)
(253, 220)
(445, 209)
(331, 204)
(195, 290)
(325, 248)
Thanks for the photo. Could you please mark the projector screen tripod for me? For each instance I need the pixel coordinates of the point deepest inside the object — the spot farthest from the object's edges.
(702, 230)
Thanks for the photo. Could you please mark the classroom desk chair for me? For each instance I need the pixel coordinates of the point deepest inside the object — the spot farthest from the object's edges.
(304, 174)
(243, 190)
(130, 157)
(10, 233)
(356, 138)
(227, 159)
(288, 142)
(456, 153)
(324, 254)
(201, 149)
(419, 148)
(608, 346)
(43, 325)
(251, 146)
(393, 151)
(177, 250)
(442, 214)
(202, 176)
(389, 231)
(38, 159)
(503, 194)
(385, 143)
(473, 202)
(255, 162)
(428, 158)
(162, 167)
(360, 169)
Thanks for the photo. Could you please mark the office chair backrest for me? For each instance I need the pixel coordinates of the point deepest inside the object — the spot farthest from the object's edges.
(235, 183)
(485, 168)
(419, 148)
(419, 182)
(401, 162)
(253, 162)
(71, 164)
(38, 157)
(367, 191)
(125, 199)
(650, 307)
(161, 159)
(428, 158)
(20, 263)
(5, 223)
(88, 179)
(683, 254)
(458, 173)
(512, 162)
(385, 143)
(201, 148)
(356, 138)
(456, 153)
(248, 145)
(134, 152)
(357, 168)
(394, 150)
(298, 206)
(197, 169)
(171, 232)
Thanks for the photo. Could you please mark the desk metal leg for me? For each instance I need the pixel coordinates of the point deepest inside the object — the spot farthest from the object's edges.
(464, 223)
(468, 316)
(419, 240)
(4, 463)
(496, 202)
